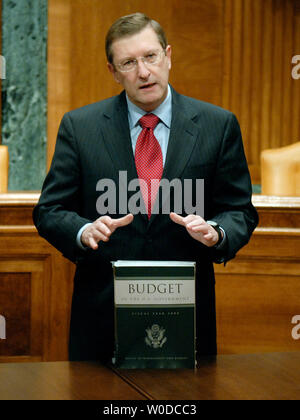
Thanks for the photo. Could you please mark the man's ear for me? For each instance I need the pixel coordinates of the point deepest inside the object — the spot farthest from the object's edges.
(113, 71)
(168, 54)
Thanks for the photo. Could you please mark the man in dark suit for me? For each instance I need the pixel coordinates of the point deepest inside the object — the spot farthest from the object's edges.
(99, 142)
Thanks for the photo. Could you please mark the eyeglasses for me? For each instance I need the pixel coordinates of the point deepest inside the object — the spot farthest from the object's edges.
(154, 57)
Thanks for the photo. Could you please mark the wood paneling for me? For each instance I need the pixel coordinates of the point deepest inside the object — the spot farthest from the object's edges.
(0, 79)
(77, 69)
(15, 307)
(60, 50)
(233, 53)
(16, 209)
(197, 49)
(260, 39)
(257, 293)
(36, 285)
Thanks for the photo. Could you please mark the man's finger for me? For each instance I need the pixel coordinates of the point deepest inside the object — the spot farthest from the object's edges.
(200, 228)
(102, 228)
(93, 244)
(177, 219)
(123, 221)
(208, 236)
(195, 223)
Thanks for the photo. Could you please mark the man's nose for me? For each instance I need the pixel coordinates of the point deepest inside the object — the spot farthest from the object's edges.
(143, 71)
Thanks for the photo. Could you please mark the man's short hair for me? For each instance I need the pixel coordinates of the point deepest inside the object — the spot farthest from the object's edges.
(131, 25)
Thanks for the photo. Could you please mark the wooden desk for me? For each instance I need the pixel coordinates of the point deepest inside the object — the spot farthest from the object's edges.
(269, 376)
(63, 381)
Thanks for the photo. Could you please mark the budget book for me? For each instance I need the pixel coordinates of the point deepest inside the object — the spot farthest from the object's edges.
(154, 314)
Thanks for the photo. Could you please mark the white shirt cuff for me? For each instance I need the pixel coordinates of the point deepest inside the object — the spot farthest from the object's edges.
(78, 237)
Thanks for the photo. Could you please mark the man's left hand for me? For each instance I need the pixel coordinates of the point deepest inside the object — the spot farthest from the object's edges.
(197, 228)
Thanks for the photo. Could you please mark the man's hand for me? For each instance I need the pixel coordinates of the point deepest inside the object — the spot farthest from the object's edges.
(197, 228)
(102, 228)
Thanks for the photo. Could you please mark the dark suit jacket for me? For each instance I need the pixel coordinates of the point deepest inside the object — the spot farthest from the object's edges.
(94, 143)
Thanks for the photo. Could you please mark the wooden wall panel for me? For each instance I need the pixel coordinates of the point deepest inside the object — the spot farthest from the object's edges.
(257, 293)
(233, 53)
(196, 49)
(77, 68)
(59, 70)
(0, 79)
(22, 301)
(260, 39)
(36, 284)
(257, 297)
(15, 290)
(295, 112)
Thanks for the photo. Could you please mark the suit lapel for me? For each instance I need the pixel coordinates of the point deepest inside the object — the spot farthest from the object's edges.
(116, 136)
(182, 140)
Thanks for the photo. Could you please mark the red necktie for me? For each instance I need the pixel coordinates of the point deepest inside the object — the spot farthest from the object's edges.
(149, 160)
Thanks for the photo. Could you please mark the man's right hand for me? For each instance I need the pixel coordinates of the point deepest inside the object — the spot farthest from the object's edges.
(102, 228)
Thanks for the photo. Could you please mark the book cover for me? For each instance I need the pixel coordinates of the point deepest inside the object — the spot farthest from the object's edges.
(154, 314)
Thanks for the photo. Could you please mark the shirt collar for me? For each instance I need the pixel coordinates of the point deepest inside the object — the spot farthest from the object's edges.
(163, 111)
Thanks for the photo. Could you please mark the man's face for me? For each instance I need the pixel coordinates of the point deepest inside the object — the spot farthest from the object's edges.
(147, 84)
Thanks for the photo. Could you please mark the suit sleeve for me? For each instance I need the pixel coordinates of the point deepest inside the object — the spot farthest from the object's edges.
(232, 193)
(56, 215)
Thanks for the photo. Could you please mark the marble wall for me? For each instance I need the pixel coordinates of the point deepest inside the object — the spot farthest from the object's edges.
(24, 91)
